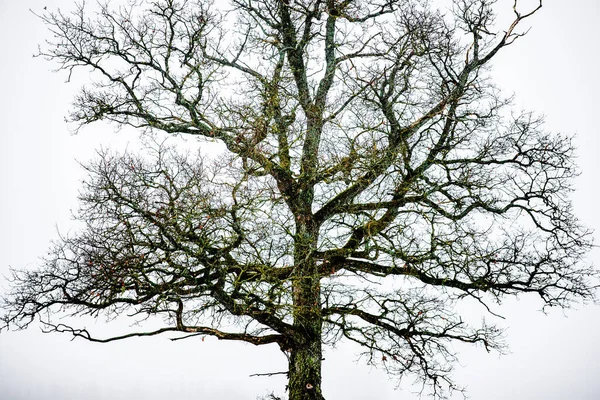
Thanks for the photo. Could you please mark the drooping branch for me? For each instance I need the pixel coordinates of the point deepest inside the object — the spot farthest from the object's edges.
(197, 330)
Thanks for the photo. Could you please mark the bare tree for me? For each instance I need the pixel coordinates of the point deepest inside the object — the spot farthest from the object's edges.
(372, 177)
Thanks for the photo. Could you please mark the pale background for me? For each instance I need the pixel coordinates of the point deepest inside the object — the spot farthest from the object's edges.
(554, 70)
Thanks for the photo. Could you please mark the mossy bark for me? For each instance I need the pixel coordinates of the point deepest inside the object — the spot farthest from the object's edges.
(305, 371)
(306, 353)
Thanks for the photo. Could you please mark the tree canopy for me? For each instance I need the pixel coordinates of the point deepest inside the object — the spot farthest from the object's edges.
(371, 178)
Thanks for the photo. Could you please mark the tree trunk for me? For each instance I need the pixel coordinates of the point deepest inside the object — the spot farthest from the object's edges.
(305, 371)
(306, 354)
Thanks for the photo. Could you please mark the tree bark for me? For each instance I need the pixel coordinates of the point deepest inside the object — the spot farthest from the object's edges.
(305, 369)
(306, 353)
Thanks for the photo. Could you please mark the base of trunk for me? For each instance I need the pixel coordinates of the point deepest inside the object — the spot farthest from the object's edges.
(305, 372)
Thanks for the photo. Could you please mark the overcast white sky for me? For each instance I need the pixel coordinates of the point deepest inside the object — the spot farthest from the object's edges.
(554, 70)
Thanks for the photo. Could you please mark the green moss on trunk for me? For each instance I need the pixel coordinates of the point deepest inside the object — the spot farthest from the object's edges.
(306, 354)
